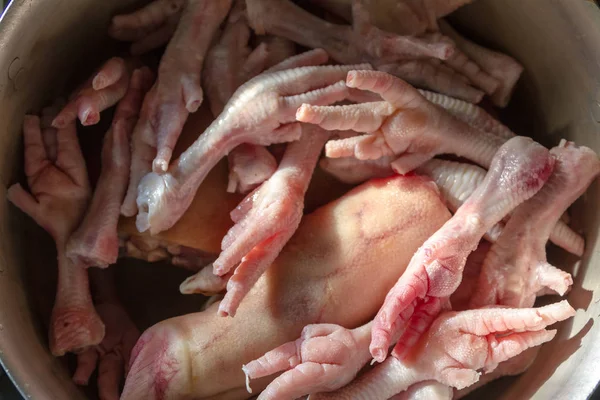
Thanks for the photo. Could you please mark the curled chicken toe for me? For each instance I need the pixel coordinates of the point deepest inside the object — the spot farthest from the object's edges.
(267, 218)
(518, 171)
(325, 358)
(148, 27)
(516, 268)
(112, 355)
(175, 94)
(249, 166)
(405, 124)
(261, 112)
(95, 242)
(59, 195)
(100, 92)
(457, 347)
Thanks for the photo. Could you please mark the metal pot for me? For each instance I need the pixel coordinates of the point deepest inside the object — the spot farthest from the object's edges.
(45, 43)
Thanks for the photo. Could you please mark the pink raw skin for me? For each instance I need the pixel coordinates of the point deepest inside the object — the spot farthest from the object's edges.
(503, 68)
(95, 242)
(175, 94)
(461, 298)
(149, 27)
(325, 358)
(261, 112)
(519, 169)
(427, 390)
(456, 347)
(100, 92)
(516, 269)
(334, 251)
(60, 192)
(112, 355)
(267, 218)
(405, 124)
(353, 171)
(205, 282)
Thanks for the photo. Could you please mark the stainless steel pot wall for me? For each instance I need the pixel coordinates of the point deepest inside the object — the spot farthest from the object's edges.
(43, 43)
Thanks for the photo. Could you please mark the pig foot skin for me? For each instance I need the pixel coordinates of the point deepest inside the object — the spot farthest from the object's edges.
(335, 250)
(518, 171)
(516, 268)
(456, 347)
(405, 125)
(112, 355)
(457, 181)
(503, 68)
(60, 192)
(149, 27)
(175, 94)
(267, 218)
(102, 91)
(95, 242)
(325, 358)
(261, 112)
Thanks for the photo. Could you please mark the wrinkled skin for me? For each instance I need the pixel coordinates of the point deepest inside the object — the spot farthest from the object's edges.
(60, 192)
(261, 112)
(175, 94)
(149, 27)
(95, 242)
(102, 91)
(267, 218)
(516, 269)
(456, 347)
(405, 124)
(112, 355)
(518, 171)
(325, 358)
(335, 250)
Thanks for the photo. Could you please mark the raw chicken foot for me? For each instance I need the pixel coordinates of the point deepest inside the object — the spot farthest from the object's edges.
(59, 195)
(149, 27)
(261, 112)
(95, 242)
(516, 268)
(112, 354)
(175, 94)
(405, 124)
(456, 347)
(267, 218)
(100, 92)
(519, 169)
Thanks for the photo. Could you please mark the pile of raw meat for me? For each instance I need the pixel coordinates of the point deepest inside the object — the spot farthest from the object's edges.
(438, 255)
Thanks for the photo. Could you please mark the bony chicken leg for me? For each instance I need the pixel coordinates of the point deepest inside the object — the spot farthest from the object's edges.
(60, 192)
(334, 251)
(519, 169)
(456, 347)
(267, 218)
(260, 112)
(326, 357)
(95, 242)
(405, 124)
(516, 268)
(111, 356)
(175, 94)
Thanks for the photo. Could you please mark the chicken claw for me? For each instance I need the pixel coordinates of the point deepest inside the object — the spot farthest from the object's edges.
(59, 195)
(175, 94)
(516, 268)
(325, 358)
(102, 91)
(113, 353)
(267, 218)
(260, 112)
(518, 171)
(405, 124)
(149, 27)
(456, 347)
